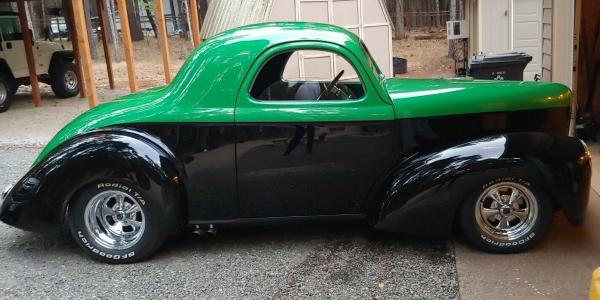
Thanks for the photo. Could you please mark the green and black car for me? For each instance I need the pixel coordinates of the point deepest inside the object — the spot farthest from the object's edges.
(252, 132)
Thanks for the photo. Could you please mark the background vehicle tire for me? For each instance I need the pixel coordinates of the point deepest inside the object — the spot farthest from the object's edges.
(64, 80)
(6, 93)
(115, 222)
(506, 214)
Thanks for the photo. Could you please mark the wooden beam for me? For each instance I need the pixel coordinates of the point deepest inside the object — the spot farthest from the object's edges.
(195, 22)
(124, 20)
(162, 39)
(73, 32)
(27, 40)
(107, 58)
(84, 52)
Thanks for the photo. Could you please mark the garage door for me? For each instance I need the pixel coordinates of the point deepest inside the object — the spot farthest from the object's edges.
(512, 25)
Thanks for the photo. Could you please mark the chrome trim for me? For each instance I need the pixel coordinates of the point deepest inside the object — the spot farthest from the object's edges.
(6, 191)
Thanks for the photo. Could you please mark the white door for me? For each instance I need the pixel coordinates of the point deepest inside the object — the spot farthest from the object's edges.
(512, 25)
(527, 34)
(13, 48)
(494, 25)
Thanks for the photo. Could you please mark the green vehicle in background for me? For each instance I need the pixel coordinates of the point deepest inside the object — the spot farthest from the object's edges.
(294, 122)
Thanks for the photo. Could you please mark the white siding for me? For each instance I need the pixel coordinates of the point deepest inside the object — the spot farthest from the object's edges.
(547, 41)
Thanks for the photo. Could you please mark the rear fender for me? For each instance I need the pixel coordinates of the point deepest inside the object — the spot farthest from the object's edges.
(424, 192)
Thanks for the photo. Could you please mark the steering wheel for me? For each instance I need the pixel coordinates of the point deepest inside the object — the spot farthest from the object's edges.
(331, 85)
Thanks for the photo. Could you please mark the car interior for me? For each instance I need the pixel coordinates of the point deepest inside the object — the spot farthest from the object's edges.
(270, 84)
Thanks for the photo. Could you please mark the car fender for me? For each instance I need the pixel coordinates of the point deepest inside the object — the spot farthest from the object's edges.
(425, 191)
(60, 57)
(42, 196)
(5, 68)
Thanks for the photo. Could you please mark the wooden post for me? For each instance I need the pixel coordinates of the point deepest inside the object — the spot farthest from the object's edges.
(195, 22)
(73, 32)
(105, 30)
(121, 5)
(27, 40)
(84, 52)
(162, 39)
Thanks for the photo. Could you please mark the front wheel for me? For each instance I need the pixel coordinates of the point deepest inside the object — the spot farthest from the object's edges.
(115, 222)
(64, 80)
(506, 215)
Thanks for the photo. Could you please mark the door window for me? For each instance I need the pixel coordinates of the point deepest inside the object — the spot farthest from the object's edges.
(307, 75)
(10, 29)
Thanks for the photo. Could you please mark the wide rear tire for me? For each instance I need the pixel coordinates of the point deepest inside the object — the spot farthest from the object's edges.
(115, 222)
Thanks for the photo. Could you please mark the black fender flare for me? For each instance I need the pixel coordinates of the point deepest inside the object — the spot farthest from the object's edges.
(58, 58)
(424, 192)
(5, 69)
(119, 154)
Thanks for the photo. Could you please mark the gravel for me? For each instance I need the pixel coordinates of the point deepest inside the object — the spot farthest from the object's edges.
(316, 261)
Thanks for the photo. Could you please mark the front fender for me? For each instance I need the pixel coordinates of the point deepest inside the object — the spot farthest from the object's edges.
(40, 199)
(58, 58)
(425, 191)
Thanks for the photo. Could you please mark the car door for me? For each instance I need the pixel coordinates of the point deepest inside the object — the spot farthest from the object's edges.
(299, 156)
(13, 49)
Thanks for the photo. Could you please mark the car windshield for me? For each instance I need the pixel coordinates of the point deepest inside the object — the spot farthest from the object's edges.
(371, 61)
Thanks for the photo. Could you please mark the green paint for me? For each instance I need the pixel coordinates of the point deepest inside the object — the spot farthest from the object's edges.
(418, 98)
(219, 73)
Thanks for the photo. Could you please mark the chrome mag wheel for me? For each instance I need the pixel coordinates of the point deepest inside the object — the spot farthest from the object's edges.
(70, 79)
(506, 211)
(114, 220)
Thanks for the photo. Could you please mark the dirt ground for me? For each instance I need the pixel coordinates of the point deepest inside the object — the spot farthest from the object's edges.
(426, 58)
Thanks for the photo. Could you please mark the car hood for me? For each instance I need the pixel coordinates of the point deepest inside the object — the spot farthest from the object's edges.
(417, 98)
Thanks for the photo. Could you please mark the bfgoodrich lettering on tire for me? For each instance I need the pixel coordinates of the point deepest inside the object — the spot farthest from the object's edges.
(114, 222)
(506, 214)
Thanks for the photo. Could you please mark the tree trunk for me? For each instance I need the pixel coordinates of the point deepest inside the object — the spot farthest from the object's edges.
(135, 23)
(437, 14)
(173, 16)
(148, 8)
(184, 20)
(400, 33)
(88, 24)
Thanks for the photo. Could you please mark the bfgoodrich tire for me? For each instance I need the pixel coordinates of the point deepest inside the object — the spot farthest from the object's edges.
(6, 92)
(64, 80)
(115, 222)
(506, 214)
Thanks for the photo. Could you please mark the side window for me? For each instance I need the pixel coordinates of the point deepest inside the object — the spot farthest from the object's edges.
(10, 29)
(309, 75)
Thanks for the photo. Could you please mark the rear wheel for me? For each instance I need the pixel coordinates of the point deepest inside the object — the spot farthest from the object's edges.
(506, 215)
(115, 222)
(6, 92)
(64, 80)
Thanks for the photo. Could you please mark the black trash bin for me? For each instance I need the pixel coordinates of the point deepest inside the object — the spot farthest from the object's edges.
(499, 66)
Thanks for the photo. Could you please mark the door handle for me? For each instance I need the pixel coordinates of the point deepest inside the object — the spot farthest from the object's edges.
(9, 45)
